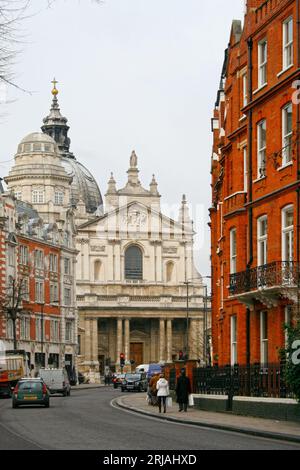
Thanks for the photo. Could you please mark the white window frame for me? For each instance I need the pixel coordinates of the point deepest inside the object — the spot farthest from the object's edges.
(233, 339)
(24, 255)
(233, 251)
(264, 341)
(288, 43)
(39, 292)
(286, 135)
(58, 198)
(25, 328)
(262, 63)
(11, 256)
(67, 298)
(69, 332)
(67, 266)
(38, 196)
(261, 149)
(53, 262)
(262, 241)
(54, 331)
(287, 235)
(245, 89)
(39, 324)
(245, 164)
(39, 259)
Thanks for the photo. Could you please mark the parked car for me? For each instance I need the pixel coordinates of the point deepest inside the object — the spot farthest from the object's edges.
(117, 380)
(57, 381)
(31, 392)
(5, 391)
(154, 369)
(135, 383)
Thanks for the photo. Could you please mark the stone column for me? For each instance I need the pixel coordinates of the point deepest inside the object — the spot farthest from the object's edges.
(127, 340)
(169, 341)
(87, 341)
(119, 339)
(94, 339)
(161, 340)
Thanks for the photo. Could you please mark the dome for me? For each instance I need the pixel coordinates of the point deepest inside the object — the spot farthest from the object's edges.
(84, 187)
(37, 142)
(37, 137)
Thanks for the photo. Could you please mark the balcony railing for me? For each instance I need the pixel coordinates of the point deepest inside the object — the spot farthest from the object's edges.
(282, 274)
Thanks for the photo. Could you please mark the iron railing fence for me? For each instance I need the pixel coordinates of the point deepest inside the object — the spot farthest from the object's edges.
(254, 381)
(283, 274)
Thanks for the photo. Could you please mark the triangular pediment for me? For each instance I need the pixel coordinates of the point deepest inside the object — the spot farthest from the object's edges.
(135, 214)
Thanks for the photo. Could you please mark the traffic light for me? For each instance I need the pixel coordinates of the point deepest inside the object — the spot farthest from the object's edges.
(181, 355)
(122, 359)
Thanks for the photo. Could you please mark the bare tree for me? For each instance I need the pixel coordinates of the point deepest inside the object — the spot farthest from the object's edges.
(11, 304)
(12, 15)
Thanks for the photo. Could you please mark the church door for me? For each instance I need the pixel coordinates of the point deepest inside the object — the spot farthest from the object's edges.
(137, 353)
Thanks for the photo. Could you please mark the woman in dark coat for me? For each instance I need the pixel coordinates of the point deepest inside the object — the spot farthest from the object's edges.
(183, 389)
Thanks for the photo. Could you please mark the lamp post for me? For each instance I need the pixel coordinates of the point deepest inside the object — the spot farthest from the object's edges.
(187, 283)
(42, 304)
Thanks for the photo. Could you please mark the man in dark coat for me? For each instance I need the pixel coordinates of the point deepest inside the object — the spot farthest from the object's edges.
(183, 389)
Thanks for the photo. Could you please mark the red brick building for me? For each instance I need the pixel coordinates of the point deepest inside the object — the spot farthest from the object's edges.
(255, 186)
(30, 257)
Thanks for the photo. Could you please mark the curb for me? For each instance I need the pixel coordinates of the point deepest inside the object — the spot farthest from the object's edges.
(220, 427)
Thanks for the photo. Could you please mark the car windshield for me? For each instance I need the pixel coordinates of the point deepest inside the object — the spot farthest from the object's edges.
(35, 386)
(132, 376)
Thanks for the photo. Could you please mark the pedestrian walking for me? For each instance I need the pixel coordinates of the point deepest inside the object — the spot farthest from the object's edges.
(163, 392)
(183, 389)
(153, 390)
(107, 376)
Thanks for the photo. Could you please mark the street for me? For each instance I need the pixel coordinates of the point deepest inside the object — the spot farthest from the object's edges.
(87, 421)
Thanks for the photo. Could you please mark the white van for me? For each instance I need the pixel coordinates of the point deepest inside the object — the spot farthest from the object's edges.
(142, 368)
(57, 381)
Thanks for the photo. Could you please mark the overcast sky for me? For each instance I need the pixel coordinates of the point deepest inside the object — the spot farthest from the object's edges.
(133, 74)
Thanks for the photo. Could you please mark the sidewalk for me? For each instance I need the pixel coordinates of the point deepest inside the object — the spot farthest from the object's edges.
(283, 430)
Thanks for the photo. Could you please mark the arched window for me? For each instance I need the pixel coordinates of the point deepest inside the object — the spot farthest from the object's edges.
(97, 270)
(170, 271)
(134, 263)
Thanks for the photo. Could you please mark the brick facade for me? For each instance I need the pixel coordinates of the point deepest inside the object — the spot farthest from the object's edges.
(262, 277)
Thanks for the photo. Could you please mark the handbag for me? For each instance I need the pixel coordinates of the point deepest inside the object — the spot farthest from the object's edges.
(169, 402)
(191, 400)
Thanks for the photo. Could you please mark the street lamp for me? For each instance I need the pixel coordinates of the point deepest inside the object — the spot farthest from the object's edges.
(42, 304)
(187, 283)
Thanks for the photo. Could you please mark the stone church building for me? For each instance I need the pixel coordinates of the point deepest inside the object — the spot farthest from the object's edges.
(131, 271)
